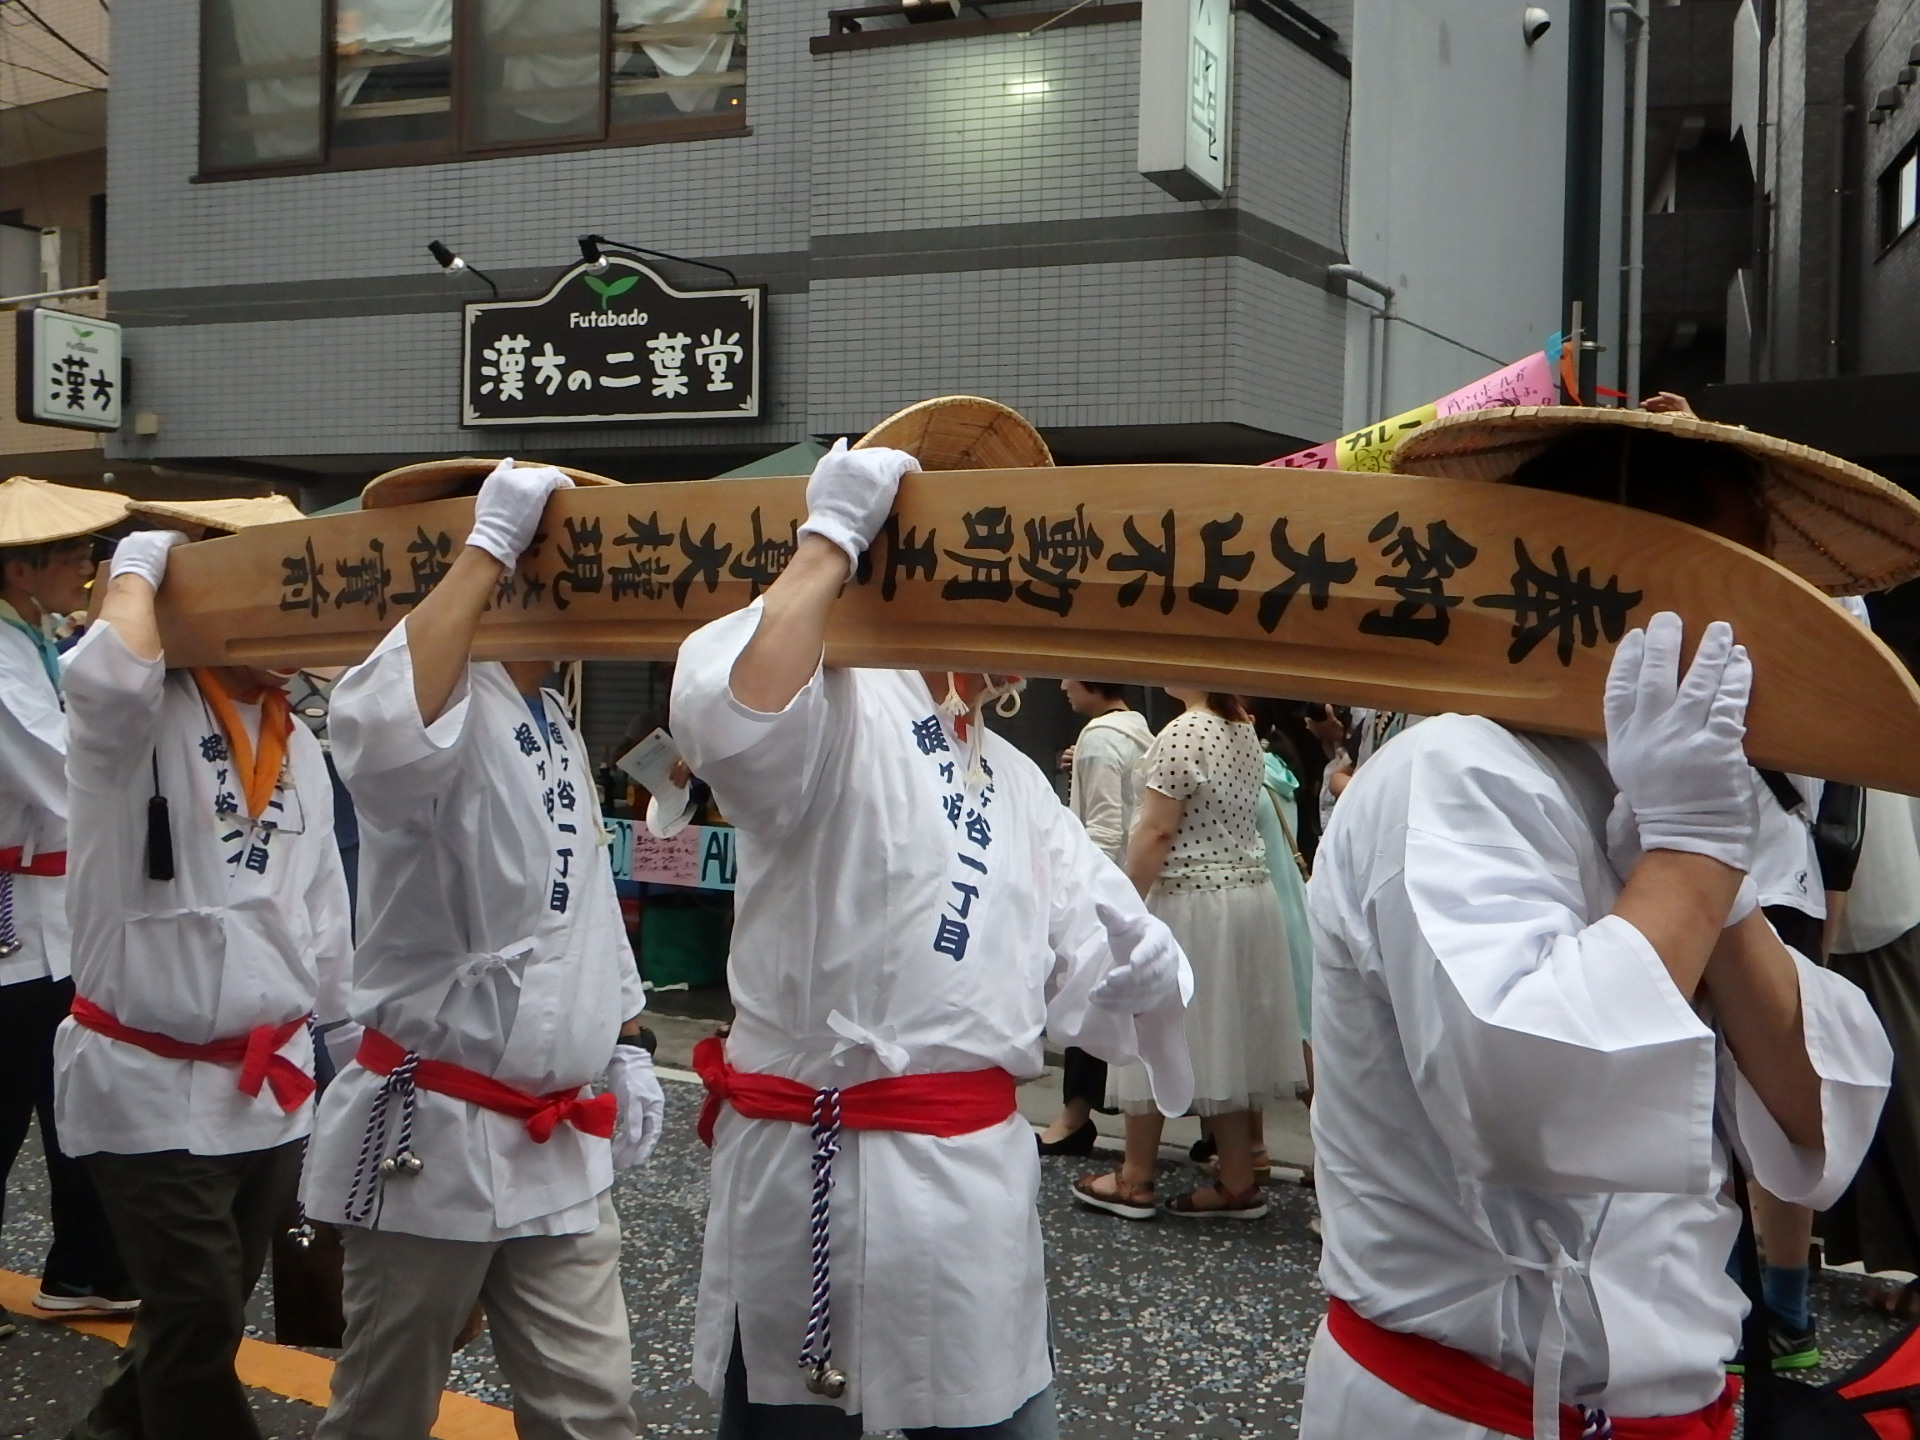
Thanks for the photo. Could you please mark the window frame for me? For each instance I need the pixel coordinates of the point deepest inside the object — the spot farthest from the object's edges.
(1887, 196)
(459, 147)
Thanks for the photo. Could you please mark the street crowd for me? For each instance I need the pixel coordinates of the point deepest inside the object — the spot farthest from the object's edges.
(1579, 1022)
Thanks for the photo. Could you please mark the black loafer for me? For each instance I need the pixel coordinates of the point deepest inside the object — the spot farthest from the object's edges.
(1080, 1142)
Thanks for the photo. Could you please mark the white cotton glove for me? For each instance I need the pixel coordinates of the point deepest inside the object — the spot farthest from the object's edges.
(1674, 744)
(643, 1105)
(1150, 961)
(1623, 851)
(850, 493)
(144, 553)
(509, 506)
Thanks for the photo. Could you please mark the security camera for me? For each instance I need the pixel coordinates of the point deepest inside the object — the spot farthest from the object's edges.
(1535, 22)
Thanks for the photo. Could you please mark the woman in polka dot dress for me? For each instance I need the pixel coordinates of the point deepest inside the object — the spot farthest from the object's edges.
(1196, 854)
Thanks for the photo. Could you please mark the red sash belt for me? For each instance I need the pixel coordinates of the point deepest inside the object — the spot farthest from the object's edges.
(949, 1104)
(47, 862)
(256, 1052)
(592, 1114)
(1455, 1383)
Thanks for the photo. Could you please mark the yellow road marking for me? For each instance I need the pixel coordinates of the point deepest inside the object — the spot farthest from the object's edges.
(292, 1373)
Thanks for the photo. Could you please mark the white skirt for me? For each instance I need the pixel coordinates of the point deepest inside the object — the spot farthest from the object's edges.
(1242, 1029)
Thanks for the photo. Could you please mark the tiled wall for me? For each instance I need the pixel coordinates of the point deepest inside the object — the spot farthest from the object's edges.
(856, 148)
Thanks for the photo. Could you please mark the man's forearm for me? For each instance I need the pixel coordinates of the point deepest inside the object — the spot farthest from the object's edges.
(440, 631)
(1680, 902)
(1756, 996)
(128, 607)
(785, 649)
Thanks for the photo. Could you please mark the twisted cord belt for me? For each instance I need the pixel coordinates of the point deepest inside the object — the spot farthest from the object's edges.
(13, 862)
(257, 1053)
(406, 1073)
(945, 1105)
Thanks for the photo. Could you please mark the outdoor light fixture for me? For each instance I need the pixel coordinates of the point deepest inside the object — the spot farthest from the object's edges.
(1535, 22)
(1028, 87)
(454, 265)
(593, 248)
(919, 10)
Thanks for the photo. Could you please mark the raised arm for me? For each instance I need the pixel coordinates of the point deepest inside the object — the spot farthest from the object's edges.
(441, 628)
(848, 498)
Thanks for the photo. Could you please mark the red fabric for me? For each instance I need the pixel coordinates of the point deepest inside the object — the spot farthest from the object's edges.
(591, 1114)
(1455, 1383)
(954, 1103)
(49, 862)
(256, 1052)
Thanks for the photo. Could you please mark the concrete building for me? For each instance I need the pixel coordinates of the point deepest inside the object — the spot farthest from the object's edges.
(933, 205)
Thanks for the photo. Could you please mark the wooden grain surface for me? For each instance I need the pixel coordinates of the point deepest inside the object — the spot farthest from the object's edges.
(1434, 595)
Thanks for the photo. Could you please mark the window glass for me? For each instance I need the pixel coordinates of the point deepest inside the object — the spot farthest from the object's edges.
(537, 66)
(393, 73)
(672, 58)
(1907, 203)
(262, 68)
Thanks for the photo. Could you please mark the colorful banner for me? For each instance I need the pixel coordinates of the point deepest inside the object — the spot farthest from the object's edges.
(1525, 382)
(700, 857)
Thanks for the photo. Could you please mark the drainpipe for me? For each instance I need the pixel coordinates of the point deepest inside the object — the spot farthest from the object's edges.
(1338, 275)
(1636, 15)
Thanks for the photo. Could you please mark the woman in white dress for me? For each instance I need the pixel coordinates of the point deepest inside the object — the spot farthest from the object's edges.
(1196, 854)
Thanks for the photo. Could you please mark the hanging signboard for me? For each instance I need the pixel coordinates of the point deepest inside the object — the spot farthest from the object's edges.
(1186, 64)
(1423, 595)
(67, 370)
(616, 346)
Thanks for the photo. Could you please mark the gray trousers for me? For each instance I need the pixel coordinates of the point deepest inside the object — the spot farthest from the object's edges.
(554, 1309)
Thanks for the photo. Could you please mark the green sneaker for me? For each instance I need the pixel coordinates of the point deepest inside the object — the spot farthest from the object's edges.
(1791, 1349)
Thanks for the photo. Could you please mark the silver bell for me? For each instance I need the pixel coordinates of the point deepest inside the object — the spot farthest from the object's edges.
(824, 1379)
(404, 1163)
(10, 948)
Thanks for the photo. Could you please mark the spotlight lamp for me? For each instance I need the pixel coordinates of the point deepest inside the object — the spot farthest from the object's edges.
(454, 265)
(593, 250)
(1534, 23)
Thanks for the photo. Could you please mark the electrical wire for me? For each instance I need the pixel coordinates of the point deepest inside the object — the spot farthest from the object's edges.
(39, 20)
(78, 87)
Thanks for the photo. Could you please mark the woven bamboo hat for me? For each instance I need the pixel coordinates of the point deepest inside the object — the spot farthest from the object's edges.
(1838, 526)
(230, 515)
(961, 432)
(442, 479)
(38, 512)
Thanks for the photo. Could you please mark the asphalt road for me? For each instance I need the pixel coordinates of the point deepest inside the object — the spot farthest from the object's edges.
(1165, 1329)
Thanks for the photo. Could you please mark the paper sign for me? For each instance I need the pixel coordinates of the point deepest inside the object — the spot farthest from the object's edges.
(700, 857)
(651, 764)
(1370, 448)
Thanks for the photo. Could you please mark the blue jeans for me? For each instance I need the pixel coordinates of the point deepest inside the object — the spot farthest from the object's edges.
(741, 1419)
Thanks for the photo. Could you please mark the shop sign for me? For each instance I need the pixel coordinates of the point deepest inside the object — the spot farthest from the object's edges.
(1186, 62)
(67, 370)
(618, 346)
(699, 857)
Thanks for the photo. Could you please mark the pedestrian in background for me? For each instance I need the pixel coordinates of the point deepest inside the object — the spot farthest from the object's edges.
(46, 566)
(1196, 854)
(1105, 793)
(1279, 818)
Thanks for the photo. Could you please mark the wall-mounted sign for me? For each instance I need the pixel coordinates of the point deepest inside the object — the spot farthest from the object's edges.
(67, 371)
(620, 345)
(1186, 101)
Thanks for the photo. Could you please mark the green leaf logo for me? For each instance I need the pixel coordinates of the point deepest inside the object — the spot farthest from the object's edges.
(83, 334)
(607, 289)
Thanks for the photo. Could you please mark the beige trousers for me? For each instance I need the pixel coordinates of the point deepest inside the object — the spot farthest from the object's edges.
(554, 1309)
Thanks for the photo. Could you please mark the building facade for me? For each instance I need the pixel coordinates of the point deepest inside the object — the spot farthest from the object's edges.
(933, 205)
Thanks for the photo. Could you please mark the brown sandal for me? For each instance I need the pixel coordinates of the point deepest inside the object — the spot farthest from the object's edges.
(1129, 1202)
(1248, 1204)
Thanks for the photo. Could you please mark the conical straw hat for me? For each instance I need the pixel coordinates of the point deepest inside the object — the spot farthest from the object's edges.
(1836, 525)
(440, 479)
(962, 432)
(35, 512)
(240, 512)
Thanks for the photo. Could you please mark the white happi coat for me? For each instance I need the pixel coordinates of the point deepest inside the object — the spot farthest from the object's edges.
(891, 919)
(490, 937)
(33, 806)
(252, 930)
(1507, 1075)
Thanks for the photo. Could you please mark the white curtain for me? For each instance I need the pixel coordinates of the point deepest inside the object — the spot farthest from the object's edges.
(269, 35)
(696, 55)
(418, 29)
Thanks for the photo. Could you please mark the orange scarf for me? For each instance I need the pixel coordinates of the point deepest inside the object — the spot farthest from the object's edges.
(258, 773)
